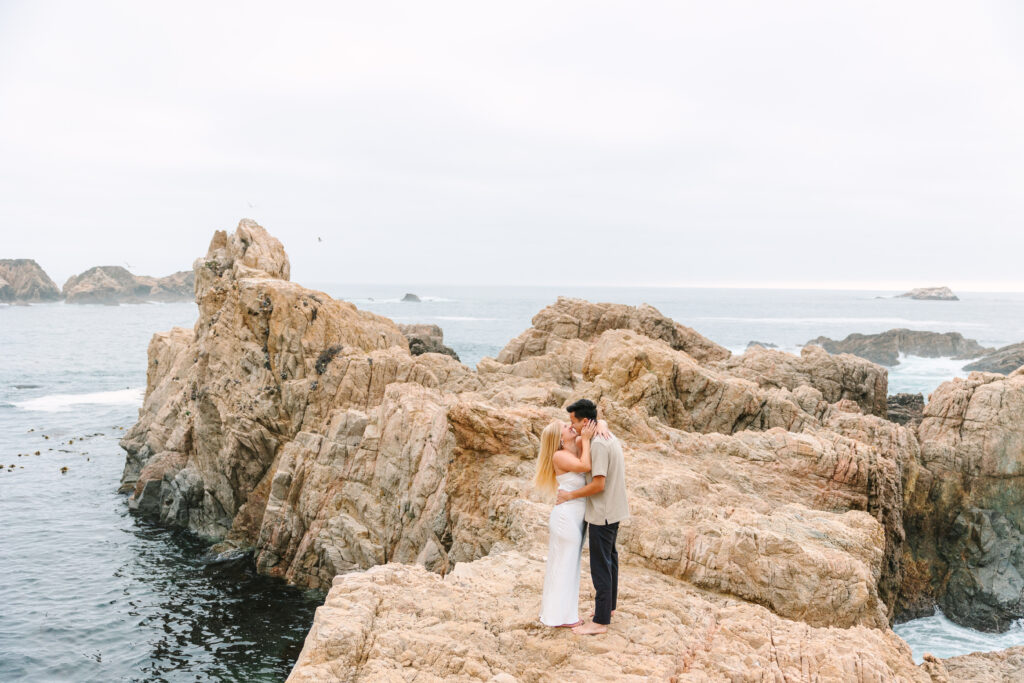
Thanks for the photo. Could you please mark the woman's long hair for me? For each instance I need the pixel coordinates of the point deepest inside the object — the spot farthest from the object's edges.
(550, 440)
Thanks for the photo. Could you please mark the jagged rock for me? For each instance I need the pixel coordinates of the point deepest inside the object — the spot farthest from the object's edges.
(965, 507)
(568, 320)
(930, 294)
(411, 297)
(836, 377)
(767, 535)
(478, 623)
(178, 286)
(885, 348)
(767, 345)
(906, 409)
(1004, 666)
(115, 285)
(1003, 360)
(426, 339)
(6, 291)
(986, 586)
(28, 282)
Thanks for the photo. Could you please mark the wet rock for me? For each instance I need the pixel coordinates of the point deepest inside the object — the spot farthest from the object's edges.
(766, 345)
(411, 297)
(885, 348)
(906, 409)
(986, 587)
(1003, 360)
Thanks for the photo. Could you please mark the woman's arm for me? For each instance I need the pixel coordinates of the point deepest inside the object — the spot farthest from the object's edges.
(602, 430)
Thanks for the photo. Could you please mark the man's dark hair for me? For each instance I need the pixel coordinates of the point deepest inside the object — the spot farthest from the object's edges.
(583, 409)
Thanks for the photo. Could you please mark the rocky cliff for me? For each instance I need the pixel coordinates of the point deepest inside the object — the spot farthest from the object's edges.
(115, 285)
(768, 491)
(885, 348)
(25, 282)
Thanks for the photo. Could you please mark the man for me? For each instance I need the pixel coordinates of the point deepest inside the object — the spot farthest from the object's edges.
(607, 505)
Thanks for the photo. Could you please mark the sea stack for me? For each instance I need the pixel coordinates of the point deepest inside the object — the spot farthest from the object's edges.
(930, 294)
(411, 297)
(112, 285)
(26, 282)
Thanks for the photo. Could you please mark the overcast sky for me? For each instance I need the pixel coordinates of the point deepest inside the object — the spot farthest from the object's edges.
(872, 144)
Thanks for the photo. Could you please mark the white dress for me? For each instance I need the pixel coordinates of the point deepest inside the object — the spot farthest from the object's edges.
(560, 603)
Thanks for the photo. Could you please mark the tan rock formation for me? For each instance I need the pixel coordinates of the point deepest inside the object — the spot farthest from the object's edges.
(575, 319)
(836, 378)
(28, 282)
(478, 623)
(424, 338)
(767, 536)
(1004, 666)
(115, 285)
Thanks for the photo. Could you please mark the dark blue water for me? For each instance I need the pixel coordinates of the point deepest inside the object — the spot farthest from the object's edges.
(90, 593)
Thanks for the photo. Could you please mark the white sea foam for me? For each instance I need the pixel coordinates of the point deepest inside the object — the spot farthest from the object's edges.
(942, 638)
(56, 403)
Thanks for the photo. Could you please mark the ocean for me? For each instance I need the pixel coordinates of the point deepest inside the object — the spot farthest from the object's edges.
(91, 593)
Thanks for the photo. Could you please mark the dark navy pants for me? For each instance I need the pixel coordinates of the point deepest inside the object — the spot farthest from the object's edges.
(604, 570)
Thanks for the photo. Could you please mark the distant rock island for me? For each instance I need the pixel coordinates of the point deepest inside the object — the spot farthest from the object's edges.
(411, 297)
(885, 348)
(116, 285)
(930, 294)
(22, 280)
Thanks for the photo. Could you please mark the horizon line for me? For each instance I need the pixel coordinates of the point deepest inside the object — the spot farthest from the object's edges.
(980, 287)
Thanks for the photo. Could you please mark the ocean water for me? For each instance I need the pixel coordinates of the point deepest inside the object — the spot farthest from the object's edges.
(91, 593)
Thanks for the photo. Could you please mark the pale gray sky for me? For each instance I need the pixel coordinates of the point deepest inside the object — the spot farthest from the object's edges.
(874, 144)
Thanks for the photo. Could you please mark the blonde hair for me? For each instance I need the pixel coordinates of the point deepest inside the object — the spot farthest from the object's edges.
(550, 440)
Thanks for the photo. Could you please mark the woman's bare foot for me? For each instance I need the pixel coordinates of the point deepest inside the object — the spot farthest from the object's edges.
(591, 629)
(578, 623)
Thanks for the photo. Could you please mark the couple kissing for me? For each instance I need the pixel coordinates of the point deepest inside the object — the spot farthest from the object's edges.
(581, 463)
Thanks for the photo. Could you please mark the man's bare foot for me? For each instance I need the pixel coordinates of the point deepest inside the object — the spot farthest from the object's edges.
(590, 629)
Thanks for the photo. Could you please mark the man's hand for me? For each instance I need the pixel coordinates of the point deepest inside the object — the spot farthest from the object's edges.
(563, 496)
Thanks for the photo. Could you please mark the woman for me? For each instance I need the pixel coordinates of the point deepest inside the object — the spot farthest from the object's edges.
(564, 459)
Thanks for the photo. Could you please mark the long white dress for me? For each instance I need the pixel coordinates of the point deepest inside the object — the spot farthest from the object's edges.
(560, 603)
